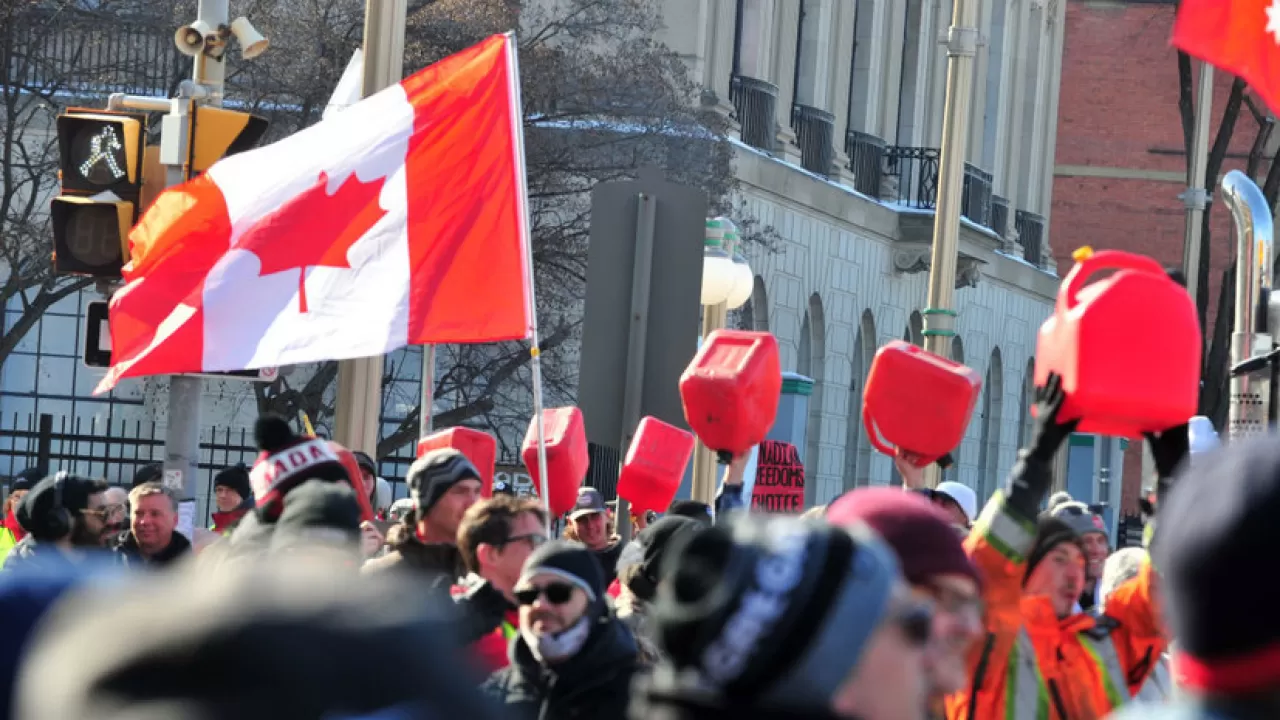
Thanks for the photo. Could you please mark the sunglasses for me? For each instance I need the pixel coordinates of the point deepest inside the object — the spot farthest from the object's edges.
(916, 621)
(555, 593)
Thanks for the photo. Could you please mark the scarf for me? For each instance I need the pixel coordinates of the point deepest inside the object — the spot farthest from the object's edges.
(11, 522)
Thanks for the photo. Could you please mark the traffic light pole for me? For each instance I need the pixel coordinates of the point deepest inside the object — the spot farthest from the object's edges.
(186, 394)
(940, 314)
(357, 417)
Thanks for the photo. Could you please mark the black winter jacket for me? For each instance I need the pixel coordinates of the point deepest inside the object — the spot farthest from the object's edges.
(594, 684)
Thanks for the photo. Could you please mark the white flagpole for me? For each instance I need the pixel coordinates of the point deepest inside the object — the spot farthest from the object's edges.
(517, 127)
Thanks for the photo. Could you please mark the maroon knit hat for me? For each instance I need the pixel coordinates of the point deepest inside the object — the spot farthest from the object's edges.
(921, 534)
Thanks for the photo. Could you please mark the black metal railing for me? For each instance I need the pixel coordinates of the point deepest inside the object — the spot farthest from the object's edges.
(815, 135)
(755, 105)
(77, 51)
(1031, 235)
(916, 171)
(1000, 216)
(975, 198)
(866, 161)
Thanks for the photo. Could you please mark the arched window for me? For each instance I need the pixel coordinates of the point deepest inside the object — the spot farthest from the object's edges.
(992, 405)
(1026, 400)
(857, 452)
(916, 329)
(817, 347)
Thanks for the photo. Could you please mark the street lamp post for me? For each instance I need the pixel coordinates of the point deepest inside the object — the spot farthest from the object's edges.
(727, 282)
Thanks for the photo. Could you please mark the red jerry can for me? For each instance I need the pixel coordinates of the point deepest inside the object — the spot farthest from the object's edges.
(655, 465)
(1127, 347)
(567, 459)
(480, 447)
(731, 389)
(917, 402)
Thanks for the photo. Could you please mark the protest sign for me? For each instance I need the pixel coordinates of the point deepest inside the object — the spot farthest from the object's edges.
(779, 483)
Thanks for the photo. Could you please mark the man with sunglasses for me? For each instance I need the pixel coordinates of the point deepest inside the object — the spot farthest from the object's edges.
(495, 538)
(939, 572)
(65, 518)
(778, 617)
(572, 657)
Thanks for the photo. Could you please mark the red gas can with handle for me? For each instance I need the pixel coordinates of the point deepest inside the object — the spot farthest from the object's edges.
(567, 458)
(917, 402)
(731, 389)
(1127, 347)
(480, 447)
(655, 465)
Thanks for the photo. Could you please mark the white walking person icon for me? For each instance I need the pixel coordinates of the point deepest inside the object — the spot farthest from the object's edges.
(102, 149)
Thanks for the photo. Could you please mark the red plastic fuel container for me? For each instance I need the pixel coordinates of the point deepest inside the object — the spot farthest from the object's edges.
(567, 459)
(917, 402)
(655, 465)
(1127, 346)
(731, 389)
(480, 447)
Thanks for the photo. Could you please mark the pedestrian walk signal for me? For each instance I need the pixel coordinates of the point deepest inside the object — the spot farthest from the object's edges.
(100, 170)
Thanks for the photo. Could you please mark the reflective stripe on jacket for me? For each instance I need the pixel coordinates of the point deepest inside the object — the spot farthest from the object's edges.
(7, 541)
(1034, 664)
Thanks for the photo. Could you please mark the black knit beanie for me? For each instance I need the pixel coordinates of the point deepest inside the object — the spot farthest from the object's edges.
(655, 541)
(1050, 533)
(235, 478)
(772, 611)
(572, 562)
(431, 476)
(1215, 530)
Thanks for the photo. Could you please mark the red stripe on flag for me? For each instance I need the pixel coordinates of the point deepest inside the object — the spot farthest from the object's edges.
(465, 201)
(157, 319)
(1238, 36)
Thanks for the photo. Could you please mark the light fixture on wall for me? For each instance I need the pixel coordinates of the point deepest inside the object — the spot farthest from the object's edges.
(744, 279)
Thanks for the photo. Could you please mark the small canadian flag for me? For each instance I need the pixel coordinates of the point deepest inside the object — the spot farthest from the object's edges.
(401, 220)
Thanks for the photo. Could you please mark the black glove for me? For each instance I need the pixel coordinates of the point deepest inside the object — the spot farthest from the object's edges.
(1169, 449)
(484, 608)
(1049, 433)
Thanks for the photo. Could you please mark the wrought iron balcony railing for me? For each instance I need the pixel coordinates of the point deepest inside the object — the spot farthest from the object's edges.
(1031, 235)
(866, 161)
(755, 105)
(975, 198)
(82, 51)
(815, 135)
(1000, 216)
(912, 174)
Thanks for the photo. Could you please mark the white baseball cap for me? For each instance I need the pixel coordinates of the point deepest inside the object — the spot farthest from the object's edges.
(964, 496)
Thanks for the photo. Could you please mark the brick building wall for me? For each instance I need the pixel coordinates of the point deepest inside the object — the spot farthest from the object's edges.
(1120, 164)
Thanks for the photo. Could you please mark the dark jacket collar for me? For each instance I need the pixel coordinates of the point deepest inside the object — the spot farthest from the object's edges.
(609, 649)
(178, 546)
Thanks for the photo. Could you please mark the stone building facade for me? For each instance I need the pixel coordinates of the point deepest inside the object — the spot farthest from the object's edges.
(838, 106)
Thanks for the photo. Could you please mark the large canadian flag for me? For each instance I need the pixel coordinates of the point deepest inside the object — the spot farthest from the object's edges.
(401, 220)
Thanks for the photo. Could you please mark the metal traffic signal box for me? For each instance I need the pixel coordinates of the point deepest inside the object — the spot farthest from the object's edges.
(100, 169)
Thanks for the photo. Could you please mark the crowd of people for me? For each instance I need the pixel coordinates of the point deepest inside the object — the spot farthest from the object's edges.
(885, 604)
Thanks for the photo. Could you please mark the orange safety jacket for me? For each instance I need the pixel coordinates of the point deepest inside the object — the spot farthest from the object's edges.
(1032, 665)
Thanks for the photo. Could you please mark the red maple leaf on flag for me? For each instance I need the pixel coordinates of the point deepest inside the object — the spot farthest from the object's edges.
(314, 229)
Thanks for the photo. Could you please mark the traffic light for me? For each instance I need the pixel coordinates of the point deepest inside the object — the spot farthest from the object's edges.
(100, 168)
(97, 348)
(217, 133)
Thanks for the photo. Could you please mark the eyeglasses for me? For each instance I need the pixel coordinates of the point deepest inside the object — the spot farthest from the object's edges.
(955, 602)
(555, 593)
(916, 621)
(535, 540)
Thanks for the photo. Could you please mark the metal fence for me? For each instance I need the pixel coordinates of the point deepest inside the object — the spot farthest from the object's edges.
(116, 450)
(71, 50)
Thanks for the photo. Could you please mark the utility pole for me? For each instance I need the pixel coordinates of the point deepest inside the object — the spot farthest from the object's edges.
(1196, 196)
(940, 314)
(186, 394)
(359, 401)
